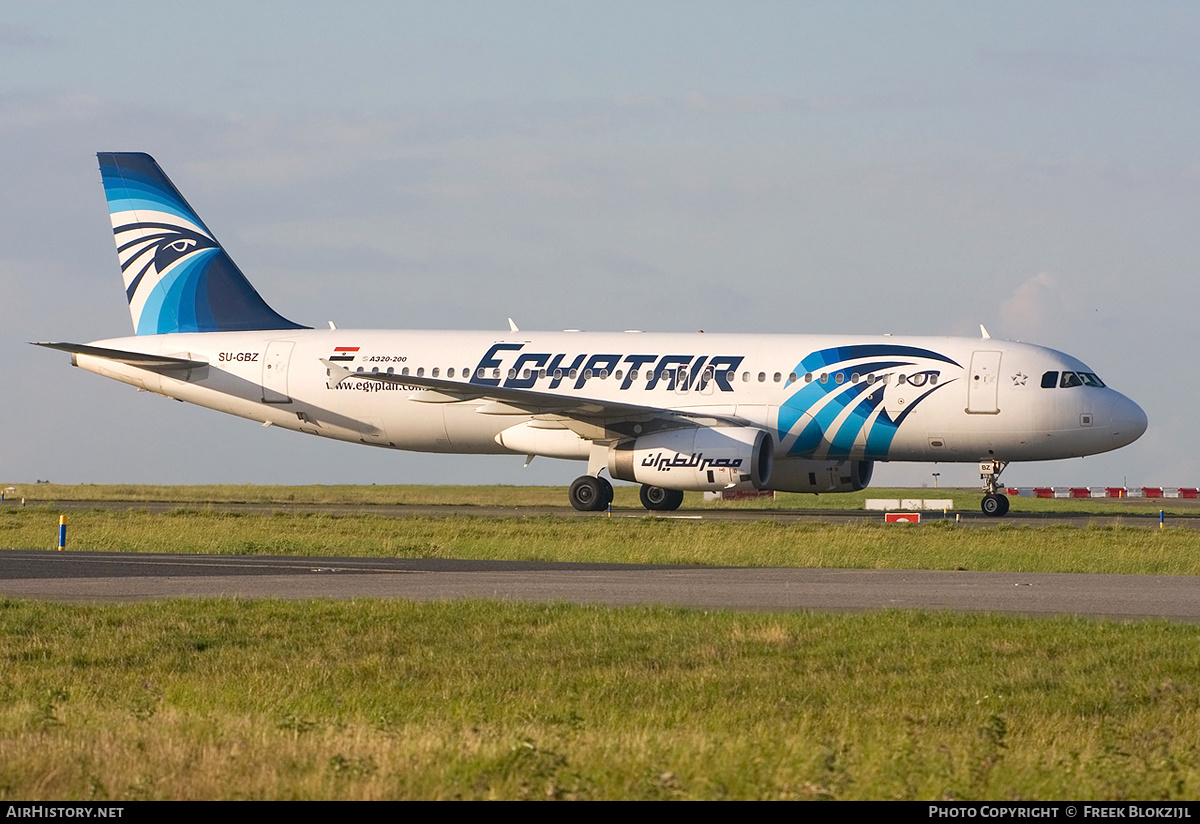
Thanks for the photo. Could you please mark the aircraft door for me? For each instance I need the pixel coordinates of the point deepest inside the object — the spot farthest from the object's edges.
(983, 384)
(275, 371)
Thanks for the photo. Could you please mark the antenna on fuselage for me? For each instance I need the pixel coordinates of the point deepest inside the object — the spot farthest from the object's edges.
(984, 332)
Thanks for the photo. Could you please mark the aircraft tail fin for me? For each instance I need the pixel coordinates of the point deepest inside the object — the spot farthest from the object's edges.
(177, 276)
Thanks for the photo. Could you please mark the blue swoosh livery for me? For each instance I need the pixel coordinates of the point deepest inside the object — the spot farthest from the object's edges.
(177, 276)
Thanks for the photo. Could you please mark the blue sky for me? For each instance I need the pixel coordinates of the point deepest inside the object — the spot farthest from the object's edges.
(914, 168)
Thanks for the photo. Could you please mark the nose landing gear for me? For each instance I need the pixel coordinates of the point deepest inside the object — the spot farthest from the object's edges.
(995, 504)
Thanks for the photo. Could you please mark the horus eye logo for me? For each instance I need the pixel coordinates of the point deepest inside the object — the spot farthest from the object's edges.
(146, 248)
(176, 243)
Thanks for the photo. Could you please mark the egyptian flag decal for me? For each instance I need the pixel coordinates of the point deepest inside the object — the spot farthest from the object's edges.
(343, 353)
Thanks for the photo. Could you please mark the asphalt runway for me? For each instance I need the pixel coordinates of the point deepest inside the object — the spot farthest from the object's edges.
(105, 577)
(117, 577)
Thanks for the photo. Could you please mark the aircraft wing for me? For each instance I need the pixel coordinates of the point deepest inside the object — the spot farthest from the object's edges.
(499, 400)
(142, 360)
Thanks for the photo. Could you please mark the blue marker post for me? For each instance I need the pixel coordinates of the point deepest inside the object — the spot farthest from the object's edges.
(62, 532)
(1161, 520)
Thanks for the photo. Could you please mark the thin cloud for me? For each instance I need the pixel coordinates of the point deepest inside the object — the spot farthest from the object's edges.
(1035, 311)
(20, 37)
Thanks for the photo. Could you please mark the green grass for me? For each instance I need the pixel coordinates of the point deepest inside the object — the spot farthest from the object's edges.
(375, 699)
(391, 699)
(867, 545)
(513, 496)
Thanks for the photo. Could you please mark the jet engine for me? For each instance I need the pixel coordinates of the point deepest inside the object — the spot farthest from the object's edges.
(807, 475)
(704, 458)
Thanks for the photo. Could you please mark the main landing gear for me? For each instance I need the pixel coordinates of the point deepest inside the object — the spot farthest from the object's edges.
(591, 493)
(657, 499)
(994, 503)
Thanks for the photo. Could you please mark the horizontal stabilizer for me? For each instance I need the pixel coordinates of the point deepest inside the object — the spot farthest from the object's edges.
(142, 360)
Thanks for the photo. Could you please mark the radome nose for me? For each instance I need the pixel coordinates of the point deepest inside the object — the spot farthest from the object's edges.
(1128, 420)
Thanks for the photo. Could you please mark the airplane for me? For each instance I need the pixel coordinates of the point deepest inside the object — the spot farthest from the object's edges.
(671, 412)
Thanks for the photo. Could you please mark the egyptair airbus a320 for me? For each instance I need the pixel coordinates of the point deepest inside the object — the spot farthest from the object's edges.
(672, 412)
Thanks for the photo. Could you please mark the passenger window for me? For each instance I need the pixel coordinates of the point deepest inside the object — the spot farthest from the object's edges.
(902, 379)
(792, 378)
(839, 378)
(420, 371)
(450, 372)
(1049, 380)
(808, 377)
(778, 377)
(1069, 379)
(436, 371)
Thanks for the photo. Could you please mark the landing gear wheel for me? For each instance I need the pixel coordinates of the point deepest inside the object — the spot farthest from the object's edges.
(588, 493)
(995, 505)
(606, 488)
(657, 499)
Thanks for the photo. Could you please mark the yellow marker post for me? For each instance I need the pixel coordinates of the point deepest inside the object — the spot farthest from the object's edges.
(62, 532)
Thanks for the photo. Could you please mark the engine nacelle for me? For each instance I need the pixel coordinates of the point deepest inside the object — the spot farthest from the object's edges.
(705, 458)
(807, 475)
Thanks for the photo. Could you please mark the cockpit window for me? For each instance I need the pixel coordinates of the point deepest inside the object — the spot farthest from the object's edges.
(1069, 379)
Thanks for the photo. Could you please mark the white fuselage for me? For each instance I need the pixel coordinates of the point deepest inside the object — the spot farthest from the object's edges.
(819, 397)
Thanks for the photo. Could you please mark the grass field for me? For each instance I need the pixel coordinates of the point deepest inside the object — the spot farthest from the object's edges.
(513, 496)
(869, 545)
(388, 699)
(392, 699)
